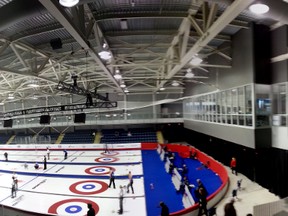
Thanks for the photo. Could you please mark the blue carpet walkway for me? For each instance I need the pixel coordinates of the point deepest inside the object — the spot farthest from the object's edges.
(164, 190)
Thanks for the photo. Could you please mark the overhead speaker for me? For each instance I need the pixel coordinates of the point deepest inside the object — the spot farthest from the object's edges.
(80, 118)
(8, 123)
(56, 43)
(45, 119)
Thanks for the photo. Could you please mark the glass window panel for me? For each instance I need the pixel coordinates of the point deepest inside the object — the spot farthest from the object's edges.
(228, 119)
(249, 121)
(219, 102)
(241, 120)
(229, 101)
(248, 99)
(282, 99)
(234, 100)
(283, 120)
(223, 102)
(241, 101)
(235, 119)
(275, 90)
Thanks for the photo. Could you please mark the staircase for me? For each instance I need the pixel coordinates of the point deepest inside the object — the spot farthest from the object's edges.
(10, 139)
(160, 137)
(97, 137)
(60, 138)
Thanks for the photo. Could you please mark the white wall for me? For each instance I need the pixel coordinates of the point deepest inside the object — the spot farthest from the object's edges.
(280, 137)
(240, 135)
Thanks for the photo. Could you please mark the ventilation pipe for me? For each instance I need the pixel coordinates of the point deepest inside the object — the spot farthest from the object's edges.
(18, 10)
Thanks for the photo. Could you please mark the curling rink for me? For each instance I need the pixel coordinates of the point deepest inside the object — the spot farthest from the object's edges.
(67, 185)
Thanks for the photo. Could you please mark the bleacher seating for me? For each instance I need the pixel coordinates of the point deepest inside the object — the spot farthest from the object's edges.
(35, 139)
(53, 137)
(111, 136)
(78, 137)
(4, 138)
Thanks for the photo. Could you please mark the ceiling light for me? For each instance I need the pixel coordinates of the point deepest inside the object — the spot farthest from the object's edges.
(33, 84)
(117, 75)
(11, 96)
(68, 3)
(105, 55)
(35, 97)
(162, 89)
(196, 60)
(104, 45)
(189, 74)
(175, 83)
(126, 90)
(122, 85)
(1, 103)
(259, 8)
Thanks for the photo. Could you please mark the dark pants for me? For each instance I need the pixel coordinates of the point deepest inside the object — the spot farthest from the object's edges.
(203, 210)
(13, 191)
(112, 181)
(120, 211)
(130, 185)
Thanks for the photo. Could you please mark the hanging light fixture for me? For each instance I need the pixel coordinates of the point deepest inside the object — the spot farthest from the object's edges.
(33, 84)
(196, 60)
(259, 8)
(122, 85)
(105, 55)
(175, 83)
(189, 73)
(11, 96)
(117, 74)
(68, 3)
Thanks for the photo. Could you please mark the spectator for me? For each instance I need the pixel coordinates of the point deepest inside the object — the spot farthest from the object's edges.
(45, 163)
(185, 182)
(184, 170)
(202, 202)
(13, 188)
(239, 182)
(111, 178)
(193, 154)
(6, 156)
(91, 210)
(233, 166)
(130, 184)
(48, 153)
(171, 168)
(15, 177)
(65, 154)
(199, 186)
(121, 198)
(172, 158)
(234, 194)
(164, 209)
(229, 209)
